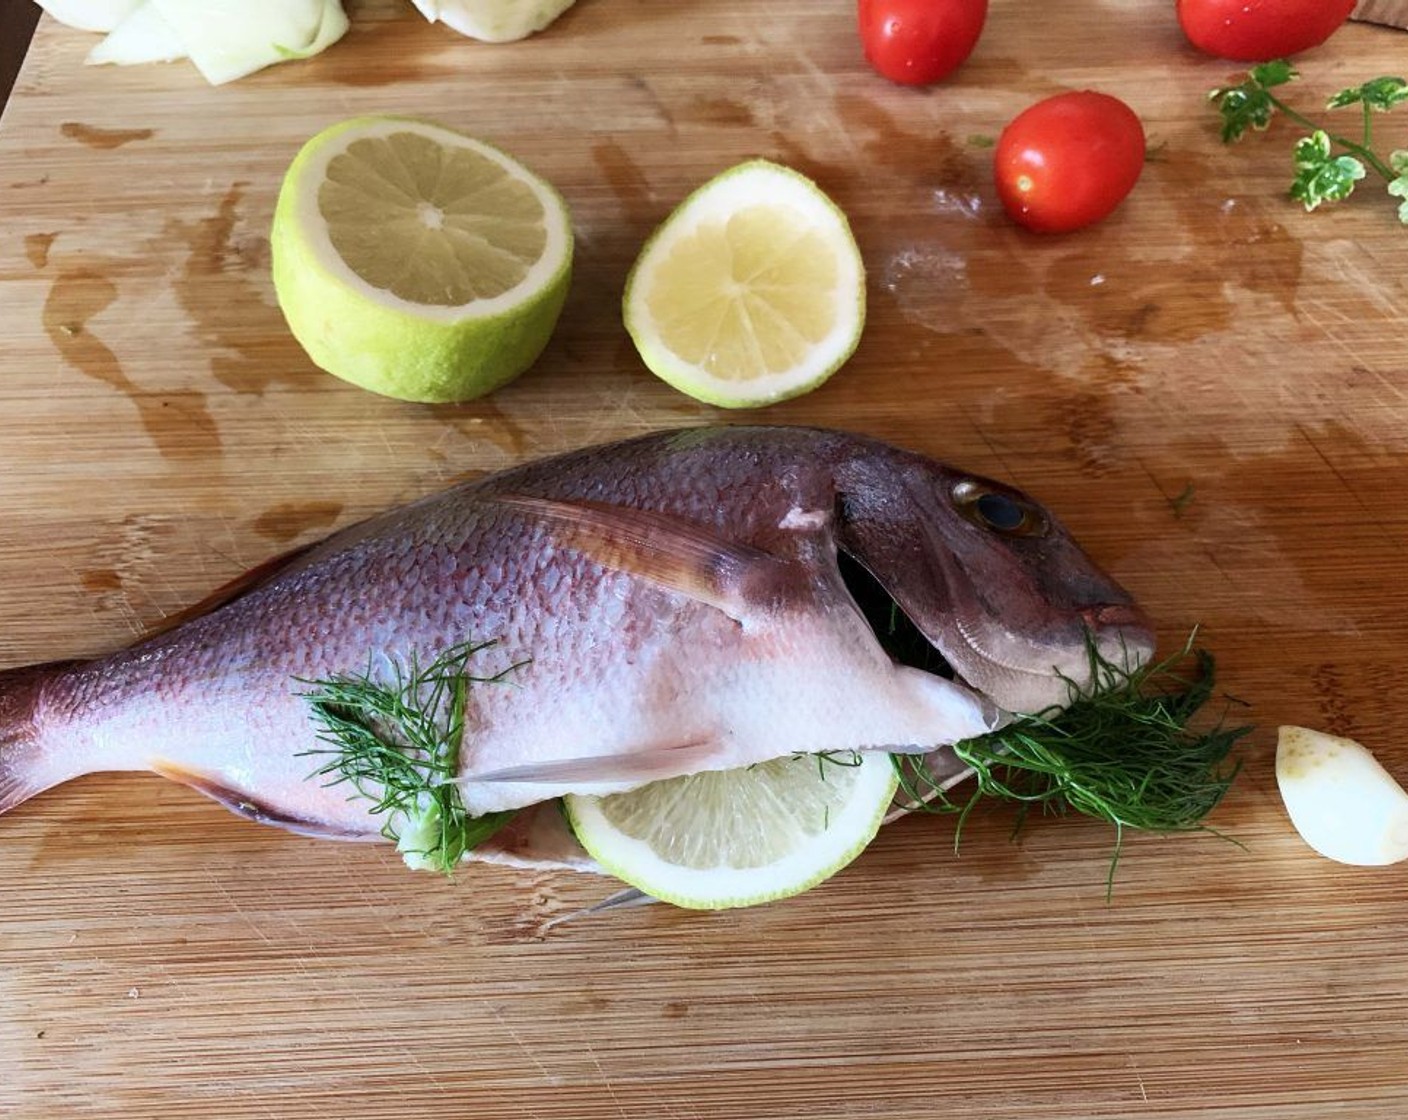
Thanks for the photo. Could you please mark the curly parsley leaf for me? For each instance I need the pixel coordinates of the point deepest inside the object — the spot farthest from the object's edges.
(1328, 163)
(1243, 107)
(1378, 94)
(1399, 186)
(1322, 176)
(1251, 104)
(1277, 72)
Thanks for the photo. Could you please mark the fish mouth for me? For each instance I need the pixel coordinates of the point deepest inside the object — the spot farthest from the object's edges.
(1125, 617)
(896, 632)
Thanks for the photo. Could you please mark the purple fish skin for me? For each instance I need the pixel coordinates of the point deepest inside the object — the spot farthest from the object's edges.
(678, 596)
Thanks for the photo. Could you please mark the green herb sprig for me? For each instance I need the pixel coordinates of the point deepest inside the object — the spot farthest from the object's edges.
(1327, 164)
(398, 745)
(1123, 751)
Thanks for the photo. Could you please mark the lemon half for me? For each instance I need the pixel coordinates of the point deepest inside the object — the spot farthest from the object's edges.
(417, 262)
(731, 838)
(751, 292)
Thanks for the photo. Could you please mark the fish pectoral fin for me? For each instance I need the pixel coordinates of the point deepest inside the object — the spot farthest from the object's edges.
(643, 766)
(239, 802)
(665, 550)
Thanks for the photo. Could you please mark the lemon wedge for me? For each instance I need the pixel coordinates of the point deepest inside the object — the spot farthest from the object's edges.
(417, 262)
(751, 292)
(731, 838)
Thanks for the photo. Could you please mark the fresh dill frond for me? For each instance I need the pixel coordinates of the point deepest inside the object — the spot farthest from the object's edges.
(848, 760)
(398, 745)
(1124, 751)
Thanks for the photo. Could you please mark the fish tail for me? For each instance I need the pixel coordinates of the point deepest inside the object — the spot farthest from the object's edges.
(24, 769)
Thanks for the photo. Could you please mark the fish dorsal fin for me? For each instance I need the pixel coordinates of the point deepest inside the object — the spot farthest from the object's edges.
(666, 550)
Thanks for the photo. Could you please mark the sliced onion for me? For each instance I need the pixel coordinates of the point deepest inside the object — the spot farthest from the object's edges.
(228, 39)
(90, 15)
(494, 21)
(144, 36)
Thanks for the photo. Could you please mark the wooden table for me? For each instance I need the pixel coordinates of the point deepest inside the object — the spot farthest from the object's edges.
(1209, 388)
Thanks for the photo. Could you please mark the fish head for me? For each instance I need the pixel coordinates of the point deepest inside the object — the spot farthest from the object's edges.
(990, 578)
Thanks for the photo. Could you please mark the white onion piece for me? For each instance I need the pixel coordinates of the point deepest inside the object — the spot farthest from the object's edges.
(228, 39)
(91, 15)
(1343, 803)
(142, 37)
(494, 21)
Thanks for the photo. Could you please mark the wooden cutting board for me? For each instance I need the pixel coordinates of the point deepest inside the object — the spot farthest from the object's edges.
(1210, 388)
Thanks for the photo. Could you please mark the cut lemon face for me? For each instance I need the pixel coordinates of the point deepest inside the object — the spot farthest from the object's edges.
(417, 262)
(738, 837)
(751, 292)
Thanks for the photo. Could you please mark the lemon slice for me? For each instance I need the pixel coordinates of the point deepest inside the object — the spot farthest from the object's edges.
(417, 262)
(731, 838)
(1343, 803)
(751, 292)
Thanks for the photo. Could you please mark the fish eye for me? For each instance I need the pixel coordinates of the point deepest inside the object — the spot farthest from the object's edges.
(1002, 513)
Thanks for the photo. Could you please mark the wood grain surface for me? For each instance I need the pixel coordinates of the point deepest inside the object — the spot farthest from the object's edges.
(1209, 388)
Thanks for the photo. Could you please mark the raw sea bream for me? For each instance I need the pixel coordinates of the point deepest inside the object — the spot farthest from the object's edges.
(678, 600)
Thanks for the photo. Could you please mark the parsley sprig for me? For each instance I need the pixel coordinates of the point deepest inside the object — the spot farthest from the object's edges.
(1328, 164)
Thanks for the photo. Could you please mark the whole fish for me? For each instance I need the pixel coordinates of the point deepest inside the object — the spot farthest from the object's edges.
(680, 605)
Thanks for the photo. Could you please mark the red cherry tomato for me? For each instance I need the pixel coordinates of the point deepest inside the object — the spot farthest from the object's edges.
(915, 42)
(1068, 161)
(1260, 30)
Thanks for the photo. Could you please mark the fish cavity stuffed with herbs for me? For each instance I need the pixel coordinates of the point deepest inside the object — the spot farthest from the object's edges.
(677, 601)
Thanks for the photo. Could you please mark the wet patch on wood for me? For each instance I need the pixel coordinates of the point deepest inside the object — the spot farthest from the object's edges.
(103, 139)
(284, 522)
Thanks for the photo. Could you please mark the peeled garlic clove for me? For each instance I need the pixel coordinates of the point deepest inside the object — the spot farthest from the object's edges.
(1342, 802)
